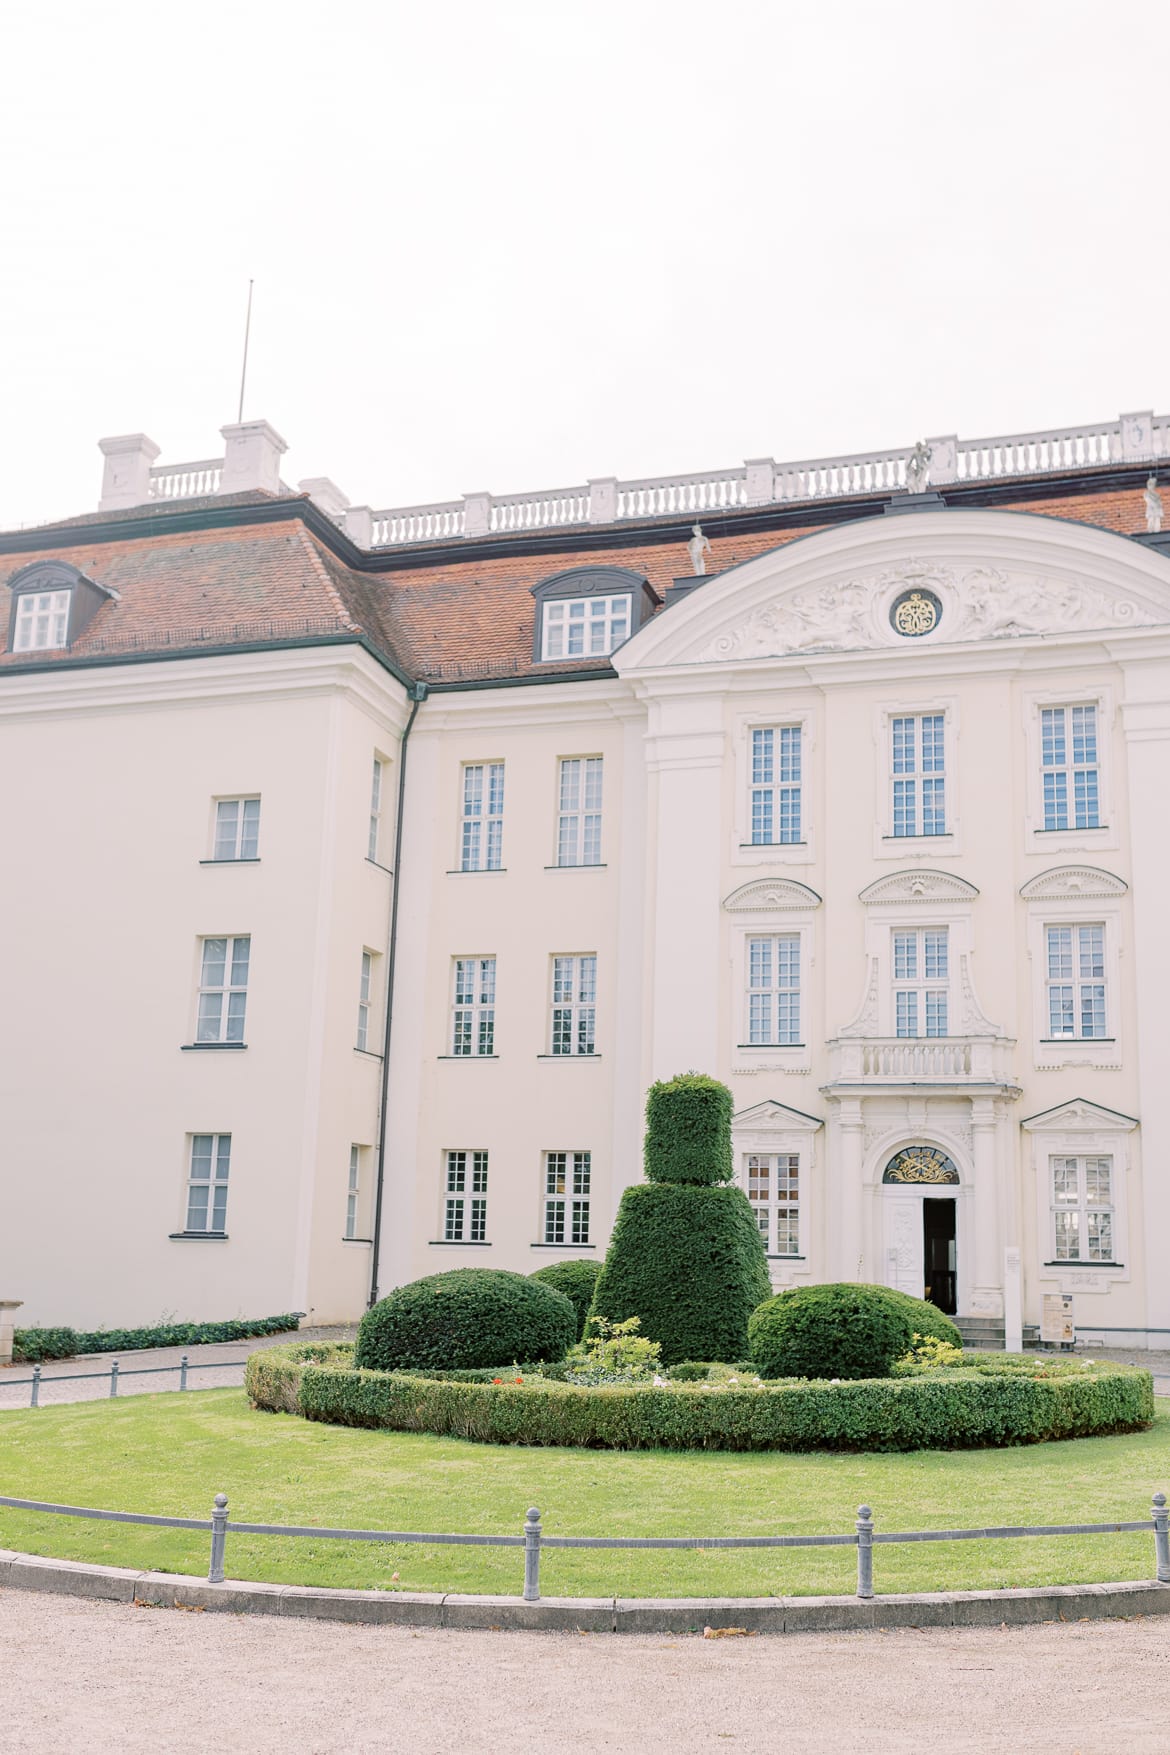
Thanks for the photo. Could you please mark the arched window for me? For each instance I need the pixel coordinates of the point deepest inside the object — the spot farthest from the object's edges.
(920, 1164)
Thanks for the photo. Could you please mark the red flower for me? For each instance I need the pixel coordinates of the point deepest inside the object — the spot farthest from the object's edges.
(497, 1380)
(519, 1380)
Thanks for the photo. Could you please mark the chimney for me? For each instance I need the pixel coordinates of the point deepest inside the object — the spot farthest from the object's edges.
(126, 476)
(253, 450)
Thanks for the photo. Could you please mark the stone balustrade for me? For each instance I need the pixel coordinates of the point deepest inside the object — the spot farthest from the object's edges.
(925, 1060)
(253, 450)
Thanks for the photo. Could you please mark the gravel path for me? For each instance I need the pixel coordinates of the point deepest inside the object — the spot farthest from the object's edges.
(89, 1678)
(87, 1379)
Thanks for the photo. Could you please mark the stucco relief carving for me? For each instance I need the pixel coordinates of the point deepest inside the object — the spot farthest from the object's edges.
(765, 895)
(982, 603)
(973, 1021)
(1073, 880)
(905, 1221)
(866, 1021)
(919, 886)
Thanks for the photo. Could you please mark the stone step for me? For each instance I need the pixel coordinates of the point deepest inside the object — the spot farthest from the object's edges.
(988, 1331)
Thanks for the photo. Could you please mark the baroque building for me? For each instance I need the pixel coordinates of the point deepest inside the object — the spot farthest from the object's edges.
(364, 868)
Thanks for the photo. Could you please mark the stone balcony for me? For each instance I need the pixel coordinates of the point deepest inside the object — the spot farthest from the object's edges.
(867, 1063)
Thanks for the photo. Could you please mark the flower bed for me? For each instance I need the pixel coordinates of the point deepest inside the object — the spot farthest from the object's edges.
(989, 1400)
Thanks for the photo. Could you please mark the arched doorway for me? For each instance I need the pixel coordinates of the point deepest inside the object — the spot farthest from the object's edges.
(922, 1225)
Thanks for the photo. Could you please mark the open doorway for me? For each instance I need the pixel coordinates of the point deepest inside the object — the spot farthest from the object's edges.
(939, 1254)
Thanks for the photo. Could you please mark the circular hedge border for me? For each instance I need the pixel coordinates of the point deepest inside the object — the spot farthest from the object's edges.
(993, 1400)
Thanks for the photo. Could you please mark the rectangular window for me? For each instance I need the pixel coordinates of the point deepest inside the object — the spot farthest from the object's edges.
(207, 1185)
(774, 989)
(917, 754)
(1068, 755)
(1082, 1209)
(584, 627)
(465, 1209)
(773, 1187)
(579, 811)
(574, 1005)
(921, 982)
(566, 1197)
(483, 817)
(42, 621)
(1076, 980)
(223, 989)
(776, 782)
(365, 1001)
(353, 1190)
(237, 829)
(375, 812)
(473, 1029)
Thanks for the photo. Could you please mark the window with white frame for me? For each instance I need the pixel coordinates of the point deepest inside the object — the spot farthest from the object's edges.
(473, 1018)
(237, 829)
(1082, 1208)
(921, 981)
(365, 1012)
(223, 989)
(353, 1190)
(465, 1198)
(375, 811)
(1070, 767)
(207, 1182)
(776, 784)
(918, 764)
(482, 823)
(566, 1197)
(42, 621)
(579, 811)
(574, 1004)
(773, 1188)
(1075, 981)
(773, 996)
(584, 627)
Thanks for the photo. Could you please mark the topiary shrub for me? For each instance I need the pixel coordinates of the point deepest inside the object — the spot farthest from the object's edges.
(689, 1262)
(924, 1317)
(688, 1131)
(577, 1280)
(466, 1318)
(841, 1331)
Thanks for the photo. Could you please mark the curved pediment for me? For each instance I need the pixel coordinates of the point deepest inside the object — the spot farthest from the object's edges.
(1073, 881)
(903, 584)
(919, 886)
(767, 895)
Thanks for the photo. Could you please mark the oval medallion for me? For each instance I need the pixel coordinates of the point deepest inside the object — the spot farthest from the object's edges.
(915, 613)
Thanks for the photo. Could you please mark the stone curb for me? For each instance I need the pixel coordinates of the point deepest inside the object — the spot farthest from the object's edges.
(970, 1608)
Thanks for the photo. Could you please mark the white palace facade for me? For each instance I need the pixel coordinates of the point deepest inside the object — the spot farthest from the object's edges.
(363, 868)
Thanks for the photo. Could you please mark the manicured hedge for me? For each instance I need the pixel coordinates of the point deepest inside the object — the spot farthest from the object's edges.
(32, 1345)
(925, 1318)
(465, 1318)
(836, 1330)
(689, 1263)
(688, 1131)
(940, 1410)
(577, 1280)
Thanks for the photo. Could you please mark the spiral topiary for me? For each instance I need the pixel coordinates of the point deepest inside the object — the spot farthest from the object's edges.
(466, 1318)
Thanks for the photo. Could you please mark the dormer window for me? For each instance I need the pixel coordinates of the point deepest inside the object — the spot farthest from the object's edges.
(585, 627)
(42, 621)
(52, 603)
(588, 612)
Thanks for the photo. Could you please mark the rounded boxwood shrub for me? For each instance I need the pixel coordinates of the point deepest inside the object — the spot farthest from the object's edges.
(689, 1263)
(842, 1331)
(924, 1317)
(465, 1318)
(577, 1280)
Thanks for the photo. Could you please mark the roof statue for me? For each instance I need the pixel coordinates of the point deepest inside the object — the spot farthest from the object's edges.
(918, 467)
(698, 548)
(1153, 500)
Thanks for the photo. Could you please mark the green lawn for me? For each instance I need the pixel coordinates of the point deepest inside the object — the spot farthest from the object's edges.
(171, 1453)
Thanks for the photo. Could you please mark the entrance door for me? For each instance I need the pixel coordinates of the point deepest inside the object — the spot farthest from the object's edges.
(939, 1254)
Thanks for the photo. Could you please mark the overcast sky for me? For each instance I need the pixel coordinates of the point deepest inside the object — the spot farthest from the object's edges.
(510, 244)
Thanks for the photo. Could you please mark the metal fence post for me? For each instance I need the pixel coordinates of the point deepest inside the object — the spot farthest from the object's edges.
(532, 1556)
(864, 1551)
(183, 1372)
(34, 1399)
(1162, 1537)
(219, 1518)
(114, 1378)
